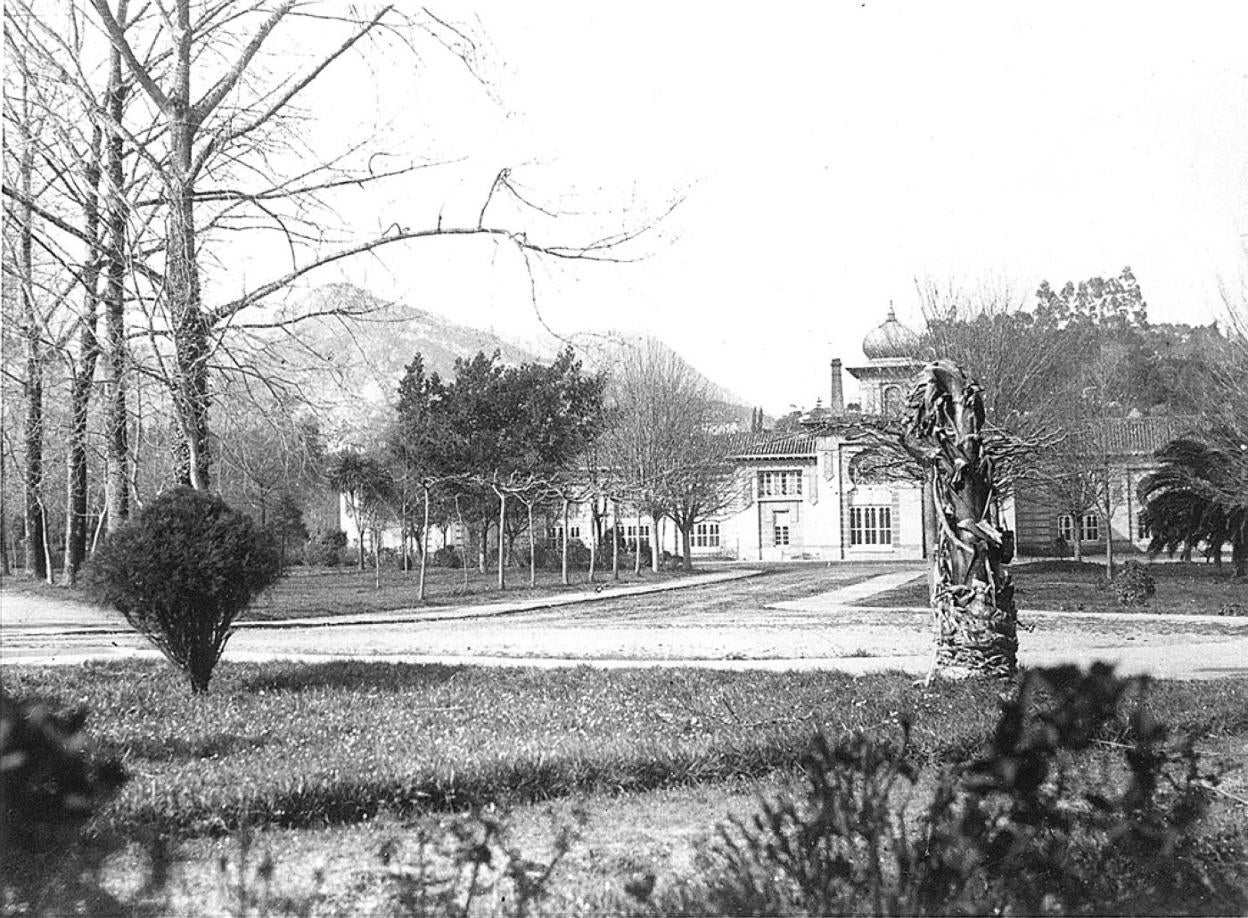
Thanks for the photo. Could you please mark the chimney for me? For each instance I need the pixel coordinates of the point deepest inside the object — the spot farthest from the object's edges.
(836, 398)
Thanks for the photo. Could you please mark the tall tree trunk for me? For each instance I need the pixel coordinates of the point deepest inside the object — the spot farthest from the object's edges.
(5, 567)
(82, 381)
(464, 538)
(116, 439)
(973, 609)
(424, 545)
(1078, 540)
(637, 554)
(686, 545)
(655, 544)
(32, 384)
(593, 551)
(565, 541)
(615, 540)
(1109, 527)
(532, 548)
(485, 532)
(182, 291)
(502, 525)
(376, 558)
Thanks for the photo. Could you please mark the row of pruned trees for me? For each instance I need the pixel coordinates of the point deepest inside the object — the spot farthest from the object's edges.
(498, 449)
(143, 144)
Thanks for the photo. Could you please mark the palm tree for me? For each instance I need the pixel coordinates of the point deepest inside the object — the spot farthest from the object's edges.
(1199, 494)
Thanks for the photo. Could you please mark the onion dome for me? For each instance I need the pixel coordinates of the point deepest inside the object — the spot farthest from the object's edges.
(891, 340)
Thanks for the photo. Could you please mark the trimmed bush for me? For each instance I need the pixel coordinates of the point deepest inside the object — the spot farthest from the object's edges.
(182, 573)
(1134, 584)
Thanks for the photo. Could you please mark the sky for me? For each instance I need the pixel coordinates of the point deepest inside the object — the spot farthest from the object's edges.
(824, 157)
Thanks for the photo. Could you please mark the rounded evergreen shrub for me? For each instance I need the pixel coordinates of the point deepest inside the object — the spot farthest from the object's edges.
(182, 573)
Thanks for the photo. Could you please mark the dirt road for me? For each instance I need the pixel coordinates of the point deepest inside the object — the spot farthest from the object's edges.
(795, 618)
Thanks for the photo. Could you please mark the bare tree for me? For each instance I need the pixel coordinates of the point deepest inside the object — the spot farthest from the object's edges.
(659, 442)
(209, 135)
(985, 330)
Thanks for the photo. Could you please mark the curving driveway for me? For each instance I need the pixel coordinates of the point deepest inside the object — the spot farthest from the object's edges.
(800, 617)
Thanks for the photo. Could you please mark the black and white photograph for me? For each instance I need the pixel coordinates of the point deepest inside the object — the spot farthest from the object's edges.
(541, 459)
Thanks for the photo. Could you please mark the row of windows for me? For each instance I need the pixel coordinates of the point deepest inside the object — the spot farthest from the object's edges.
(779, 484)
(870, 525)
(555, 533)
(1090, 528)
(706, 535)
(630, 537)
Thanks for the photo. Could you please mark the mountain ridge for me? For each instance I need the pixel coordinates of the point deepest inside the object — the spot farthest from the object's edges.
(369, 342)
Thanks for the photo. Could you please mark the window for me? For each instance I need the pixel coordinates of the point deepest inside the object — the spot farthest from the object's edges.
(1089, 527)
(894, 404)
(779, 484)
(706, 535)
(555, 533)
(1141, 528)
(870, 525)
(630, 536)
(780, 528)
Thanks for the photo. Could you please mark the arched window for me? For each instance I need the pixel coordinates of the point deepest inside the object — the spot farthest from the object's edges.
(894, 403)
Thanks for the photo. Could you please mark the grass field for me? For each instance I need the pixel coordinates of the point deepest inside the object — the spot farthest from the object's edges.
(324, 591)
(306, 745)
(1070, 586)
(326, 763)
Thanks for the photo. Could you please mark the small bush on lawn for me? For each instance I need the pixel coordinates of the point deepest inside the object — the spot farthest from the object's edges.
(549, 557)
(446, 556)
(324, 549)
(1037, 825)
(1134, 584)
(182, 573)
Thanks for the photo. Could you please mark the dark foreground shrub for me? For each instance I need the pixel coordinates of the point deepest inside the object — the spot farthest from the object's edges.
(48, 788)
(182, 573)
(1044, 823)
(1134, 584)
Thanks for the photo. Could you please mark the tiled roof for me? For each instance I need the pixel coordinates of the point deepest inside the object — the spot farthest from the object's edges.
(771, 445)
(1130, 436)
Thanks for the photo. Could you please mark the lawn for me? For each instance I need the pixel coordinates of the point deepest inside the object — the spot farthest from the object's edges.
(310, 592)
(330, 763)
(1070, 586)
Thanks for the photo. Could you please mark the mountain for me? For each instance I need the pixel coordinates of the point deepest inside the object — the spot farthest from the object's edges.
(368, 353)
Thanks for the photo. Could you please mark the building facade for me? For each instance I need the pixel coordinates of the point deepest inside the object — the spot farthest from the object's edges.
(807, 495)
(819, 493)
(1046, 528)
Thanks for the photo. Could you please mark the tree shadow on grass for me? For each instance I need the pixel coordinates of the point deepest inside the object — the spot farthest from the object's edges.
(348, 675)
(179, 749)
